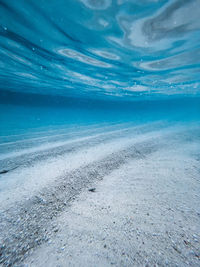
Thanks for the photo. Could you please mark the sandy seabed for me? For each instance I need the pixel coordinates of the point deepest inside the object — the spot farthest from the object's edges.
(122, 195)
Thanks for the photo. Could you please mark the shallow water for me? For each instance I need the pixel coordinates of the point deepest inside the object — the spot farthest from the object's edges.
(88, 87)
(96, 60)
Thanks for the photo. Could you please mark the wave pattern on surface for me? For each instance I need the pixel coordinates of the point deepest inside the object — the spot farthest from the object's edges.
(100, 48)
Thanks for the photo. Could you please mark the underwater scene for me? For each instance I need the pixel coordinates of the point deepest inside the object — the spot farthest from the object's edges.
(99, 133)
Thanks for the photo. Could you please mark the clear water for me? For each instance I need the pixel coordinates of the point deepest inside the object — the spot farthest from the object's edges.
(92, 61)
(90, 90)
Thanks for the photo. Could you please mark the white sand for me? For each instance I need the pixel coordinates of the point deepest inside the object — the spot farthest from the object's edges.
(144, 211)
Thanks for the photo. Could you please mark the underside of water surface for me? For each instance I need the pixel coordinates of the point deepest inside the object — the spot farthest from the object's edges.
(99, 55)
(99, 133)
(103, 57)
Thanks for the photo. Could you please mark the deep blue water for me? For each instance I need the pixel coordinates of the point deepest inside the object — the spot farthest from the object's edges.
(92, 61)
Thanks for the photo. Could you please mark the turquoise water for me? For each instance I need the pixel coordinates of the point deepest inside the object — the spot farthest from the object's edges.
(91, 61)
(99, 94)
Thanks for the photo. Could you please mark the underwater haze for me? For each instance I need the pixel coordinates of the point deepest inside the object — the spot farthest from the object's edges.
(99, 55)
(99, 132)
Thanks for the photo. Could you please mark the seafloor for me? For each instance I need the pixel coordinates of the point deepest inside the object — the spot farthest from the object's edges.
(102, 195)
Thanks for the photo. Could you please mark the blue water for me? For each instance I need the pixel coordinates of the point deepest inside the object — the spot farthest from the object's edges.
(91, 61)
(96, 90)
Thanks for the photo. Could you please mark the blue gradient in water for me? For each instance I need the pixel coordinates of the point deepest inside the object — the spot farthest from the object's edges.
(100, 50)
(99, 91)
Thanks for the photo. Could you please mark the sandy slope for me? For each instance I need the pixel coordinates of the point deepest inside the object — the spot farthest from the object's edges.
(145, 208)
(135, 217)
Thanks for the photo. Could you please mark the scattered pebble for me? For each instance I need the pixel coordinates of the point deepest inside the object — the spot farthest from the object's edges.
(92, 189)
